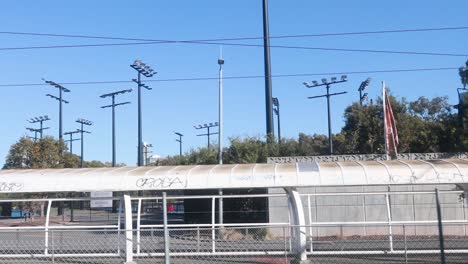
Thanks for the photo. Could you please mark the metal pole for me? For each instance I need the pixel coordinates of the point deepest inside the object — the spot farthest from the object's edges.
(220, 115)
(82, 139)
(360, 97)
(113, 130)
(140, 134)
(279, 125)
(180, 145)
(167, 259)
(41, 129)
(208, 136)
(220, 207)
(60, 114)
(268, 87)
(71, 143)
(441, 229)
(330, 140)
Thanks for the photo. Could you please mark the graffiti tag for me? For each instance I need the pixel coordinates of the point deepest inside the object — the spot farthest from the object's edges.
(165, 182)
(10, 186)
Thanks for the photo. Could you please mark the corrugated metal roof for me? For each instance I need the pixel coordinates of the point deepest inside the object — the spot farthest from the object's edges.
(236, 176)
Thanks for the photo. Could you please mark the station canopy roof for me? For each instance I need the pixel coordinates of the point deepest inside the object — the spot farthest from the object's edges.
(349, 173)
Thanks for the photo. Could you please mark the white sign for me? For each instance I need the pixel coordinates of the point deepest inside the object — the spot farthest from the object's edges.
(100, 203)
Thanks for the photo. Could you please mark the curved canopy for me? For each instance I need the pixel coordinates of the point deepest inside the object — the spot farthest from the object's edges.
(349, 173)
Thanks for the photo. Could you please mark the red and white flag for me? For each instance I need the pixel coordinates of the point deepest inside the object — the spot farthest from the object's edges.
(390, 129)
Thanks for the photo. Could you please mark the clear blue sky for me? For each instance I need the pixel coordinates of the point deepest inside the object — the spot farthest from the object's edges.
(177, 106)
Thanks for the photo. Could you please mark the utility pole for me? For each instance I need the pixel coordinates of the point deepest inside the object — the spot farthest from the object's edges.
(327, 84)
(208, 132)
(220, 115)
(113, 105)
(362, 87)
(147, 71)
(268, 87)
(40, 120)
(82, 131)
(180, 142)
(61, 100)
(277, 112)
(70, 134)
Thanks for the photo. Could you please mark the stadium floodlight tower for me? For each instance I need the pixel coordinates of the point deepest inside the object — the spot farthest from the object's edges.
(40, 120)
(83, 122)
(113, 105)
(61, 100)
(146, 71)
(147, 151)
(208, 131)
(70, 134)
(327, 84)
(362, 87)
(180, 142)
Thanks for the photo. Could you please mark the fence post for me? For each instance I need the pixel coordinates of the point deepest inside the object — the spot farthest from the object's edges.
(46, 239)
(389, 218)
(138, 225)
(299, 228)
(128, 230)
(213, 235)
(441, 231)
(167, 259)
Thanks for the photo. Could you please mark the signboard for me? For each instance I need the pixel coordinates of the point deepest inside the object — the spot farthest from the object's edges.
(101, 203)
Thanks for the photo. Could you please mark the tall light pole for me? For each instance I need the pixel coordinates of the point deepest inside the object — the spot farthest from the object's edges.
(60, 99)
(113, 105)
(327, 84)
(268, 87)
(146, 71)
(40, 120)
(277, 112)
(82, 131)
(220, 121)
(180, 142)
(208, 131)
(70, 134)
(362, 87)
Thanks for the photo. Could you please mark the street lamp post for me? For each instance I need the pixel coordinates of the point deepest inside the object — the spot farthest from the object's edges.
(82, 131)
(277, 112)
(220, 134)
(60, 99)
(208, 131)
(71, 138)
(113, 105)
(146, 71)
(180, 142)
(40, 120)
(362, 87)
(327, 84)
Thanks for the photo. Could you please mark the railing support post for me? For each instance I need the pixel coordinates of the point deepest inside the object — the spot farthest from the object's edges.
(167, 257)
(298, 225)
(128, 230)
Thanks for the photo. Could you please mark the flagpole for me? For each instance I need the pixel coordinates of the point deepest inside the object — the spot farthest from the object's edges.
(384, 96)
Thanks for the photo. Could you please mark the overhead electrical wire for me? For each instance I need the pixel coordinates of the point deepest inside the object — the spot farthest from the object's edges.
(243, 38)
(239, 77)
(216, 42)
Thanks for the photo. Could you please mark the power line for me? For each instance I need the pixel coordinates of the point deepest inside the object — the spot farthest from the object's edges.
(242, 38)
(235, 44)
(241, 77)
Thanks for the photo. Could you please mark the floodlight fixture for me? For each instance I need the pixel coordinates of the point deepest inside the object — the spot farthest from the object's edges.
(276, 110)
(324, 81)
(333, 79)
(344, 77)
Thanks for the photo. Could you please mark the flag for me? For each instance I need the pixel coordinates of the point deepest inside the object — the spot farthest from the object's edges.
(390, 129)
